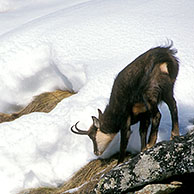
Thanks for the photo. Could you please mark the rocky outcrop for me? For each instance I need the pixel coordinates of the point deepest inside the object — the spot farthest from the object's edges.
(165, 160)
(168, 167)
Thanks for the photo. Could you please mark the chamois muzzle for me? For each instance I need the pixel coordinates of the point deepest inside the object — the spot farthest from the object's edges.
(79, 131)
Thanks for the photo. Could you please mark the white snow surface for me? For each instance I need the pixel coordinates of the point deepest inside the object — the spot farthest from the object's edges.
(79, 45)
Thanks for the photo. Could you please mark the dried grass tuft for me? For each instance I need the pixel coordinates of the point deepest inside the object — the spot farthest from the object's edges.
(44, 102)
(82, 181)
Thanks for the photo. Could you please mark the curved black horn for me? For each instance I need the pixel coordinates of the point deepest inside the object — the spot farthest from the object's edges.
(79, 131)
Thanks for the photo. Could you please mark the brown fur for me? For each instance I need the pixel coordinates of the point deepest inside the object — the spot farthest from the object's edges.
(139, 108)
(44, 102)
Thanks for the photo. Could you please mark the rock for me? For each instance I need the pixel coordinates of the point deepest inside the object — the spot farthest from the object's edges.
(166, 159)
(159, 188)
(168, 167)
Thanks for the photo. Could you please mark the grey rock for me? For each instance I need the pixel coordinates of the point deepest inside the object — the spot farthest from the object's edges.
(159, 188)
(164, 160)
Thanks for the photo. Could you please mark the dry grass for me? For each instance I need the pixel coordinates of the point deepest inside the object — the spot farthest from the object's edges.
(39, 190)
(44, 102)
(82, 181)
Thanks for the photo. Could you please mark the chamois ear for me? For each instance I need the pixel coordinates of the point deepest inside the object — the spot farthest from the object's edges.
(99, 114)
(96, 122)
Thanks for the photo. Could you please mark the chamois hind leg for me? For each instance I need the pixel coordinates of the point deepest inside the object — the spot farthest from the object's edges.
(143, 129)
(125, 134)
(156, 116)
(170, 101)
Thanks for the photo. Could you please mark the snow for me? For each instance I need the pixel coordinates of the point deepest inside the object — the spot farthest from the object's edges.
(79, 45)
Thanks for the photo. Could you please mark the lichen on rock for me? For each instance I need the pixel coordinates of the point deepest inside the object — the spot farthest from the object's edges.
(164, 160)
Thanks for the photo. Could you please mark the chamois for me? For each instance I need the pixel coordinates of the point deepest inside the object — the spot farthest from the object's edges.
(136, 93)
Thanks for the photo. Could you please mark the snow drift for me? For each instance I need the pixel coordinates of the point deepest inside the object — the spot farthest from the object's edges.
(79, 46)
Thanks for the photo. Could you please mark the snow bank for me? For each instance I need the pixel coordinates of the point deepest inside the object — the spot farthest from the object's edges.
(80, 47)
(15, 13)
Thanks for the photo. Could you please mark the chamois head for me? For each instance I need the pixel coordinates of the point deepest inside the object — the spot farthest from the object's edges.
(100, 139)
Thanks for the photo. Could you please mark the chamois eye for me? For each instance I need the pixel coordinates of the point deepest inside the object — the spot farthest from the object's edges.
(95, 128)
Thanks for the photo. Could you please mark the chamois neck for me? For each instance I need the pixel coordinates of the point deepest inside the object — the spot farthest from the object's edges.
(111, 121)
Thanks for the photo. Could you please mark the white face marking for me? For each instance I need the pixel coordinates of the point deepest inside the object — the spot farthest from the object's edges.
(164, 68)
(103, 140)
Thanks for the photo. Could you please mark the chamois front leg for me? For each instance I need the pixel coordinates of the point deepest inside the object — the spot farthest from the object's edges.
(154, 129)
(143, 129)
(125, 134)
(170, 101)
